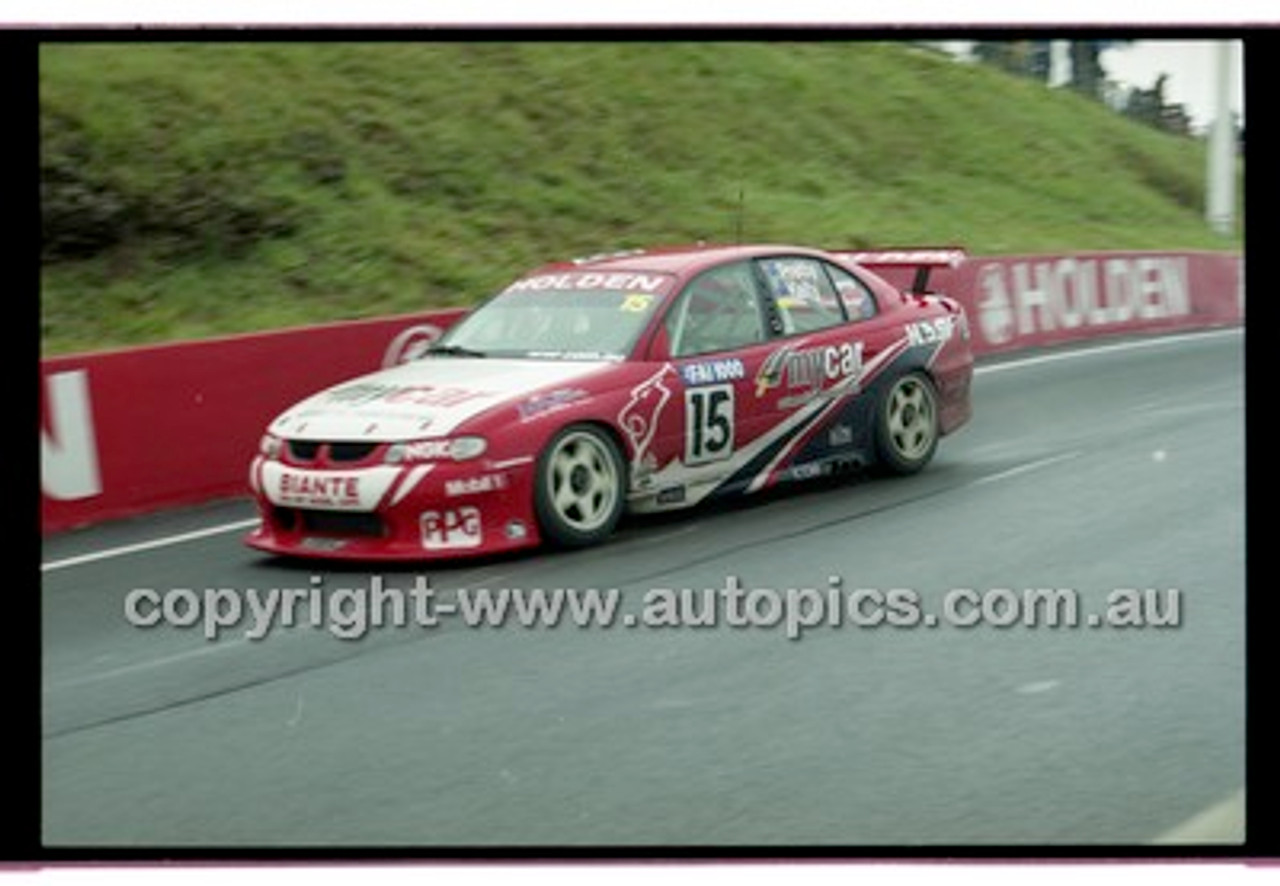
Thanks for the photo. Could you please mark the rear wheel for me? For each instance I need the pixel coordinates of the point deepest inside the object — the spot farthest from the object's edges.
(579, 491)
(907, 424)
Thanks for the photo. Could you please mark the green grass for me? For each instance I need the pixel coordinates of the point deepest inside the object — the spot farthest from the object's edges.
(196, 189)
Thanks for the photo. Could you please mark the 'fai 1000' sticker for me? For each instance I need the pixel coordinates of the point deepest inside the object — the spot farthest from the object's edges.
(704, 372)
(451, 528)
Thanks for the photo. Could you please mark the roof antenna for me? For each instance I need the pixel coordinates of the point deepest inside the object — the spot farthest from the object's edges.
(742, 211)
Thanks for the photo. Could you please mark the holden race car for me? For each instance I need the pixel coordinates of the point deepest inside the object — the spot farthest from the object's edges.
(640, 381)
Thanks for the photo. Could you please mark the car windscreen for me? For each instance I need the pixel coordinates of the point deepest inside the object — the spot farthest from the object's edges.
(555, 317)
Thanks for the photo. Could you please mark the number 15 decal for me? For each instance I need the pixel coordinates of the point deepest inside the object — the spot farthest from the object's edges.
(708, 421)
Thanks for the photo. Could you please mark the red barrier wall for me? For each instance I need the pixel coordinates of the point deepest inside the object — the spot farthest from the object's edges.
(128, 431)
(133, 430)
(1033, 301)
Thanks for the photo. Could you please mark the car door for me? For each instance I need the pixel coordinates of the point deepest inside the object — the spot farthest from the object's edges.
(718, 338)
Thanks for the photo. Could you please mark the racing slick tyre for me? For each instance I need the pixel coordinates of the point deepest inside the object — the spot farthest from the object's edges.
(580, 488)
(907, 424)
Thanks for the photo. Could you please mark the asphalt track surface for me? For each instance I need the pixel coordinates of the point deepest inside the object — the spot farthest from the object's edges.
(1120, 466)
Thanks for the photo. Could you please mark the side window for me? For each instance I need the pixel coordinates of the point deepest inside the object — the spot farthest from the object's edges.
(858, 301)
(718, 311)
(805, 297)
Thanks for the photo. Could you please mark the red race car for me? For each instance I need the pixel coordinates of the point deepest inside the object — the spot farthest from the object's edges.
(639, 381)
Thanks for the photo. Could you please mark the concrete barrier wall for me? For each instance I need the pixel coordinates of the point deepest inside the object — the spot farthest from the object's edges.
(139, 429)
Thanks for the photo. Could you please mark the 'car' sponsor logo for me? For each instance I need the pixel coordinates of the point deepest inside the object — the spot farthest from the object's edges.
(808, 369)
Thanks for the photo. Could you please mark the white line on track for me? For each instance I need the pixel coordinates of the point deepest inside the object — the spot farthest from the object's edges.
(1004, 366)
(98, 676)
(154, 543)
(1029, 466)
(1134, 345)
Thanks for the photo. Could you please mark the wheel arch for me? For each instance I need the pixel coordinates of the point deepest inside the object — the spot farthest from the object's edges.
(614, 434)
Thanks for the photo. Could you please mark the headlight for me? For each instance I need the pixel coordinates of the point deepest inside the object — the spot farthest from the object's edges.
(454, 449)
(270, 446)
(467, 448)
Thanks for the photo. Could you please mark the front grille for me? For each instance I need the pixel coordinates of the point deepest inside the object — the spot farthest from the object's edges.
(303, 450)
(350, 451)
(345, 523)
(338, 451)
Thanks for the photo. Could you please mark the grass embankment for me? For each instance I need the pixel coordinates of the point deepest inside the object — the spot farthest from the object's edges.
(189, 190)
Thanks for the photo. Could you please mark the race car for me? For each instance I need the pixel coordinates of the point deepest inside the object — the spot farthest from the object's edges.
(639, 381)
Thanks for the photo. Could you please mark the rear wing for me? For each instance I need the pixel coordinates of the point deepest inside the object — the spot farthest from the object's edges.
(923, 260)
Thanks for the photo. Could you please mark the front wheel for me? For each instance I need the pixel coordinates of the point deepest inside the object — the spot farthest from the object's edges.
(579, 493)
(907, 424)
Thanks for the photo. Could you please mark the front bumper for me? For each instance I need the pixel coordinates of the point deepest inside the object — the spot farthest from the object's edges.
(414, 512)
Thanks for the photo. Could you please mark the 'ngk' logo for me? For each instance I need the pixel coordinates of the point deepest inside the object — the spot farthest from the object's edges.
(1026, 298)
